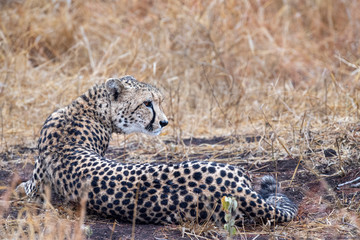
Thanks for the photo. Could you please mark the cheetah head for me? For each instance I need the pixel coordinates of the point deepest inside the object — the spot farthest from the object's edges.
(135, 106)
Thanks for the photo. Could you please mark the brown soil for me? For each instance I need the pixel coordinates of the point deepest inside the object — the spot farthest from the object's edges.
(316, 195)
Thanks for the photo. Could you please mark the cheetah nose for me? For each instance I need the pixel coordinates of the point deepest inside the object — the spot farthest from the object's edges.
(163, 123)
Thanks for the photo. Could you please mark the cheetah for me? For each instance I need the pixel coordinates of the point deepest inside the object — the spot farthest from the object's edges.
(73, 142)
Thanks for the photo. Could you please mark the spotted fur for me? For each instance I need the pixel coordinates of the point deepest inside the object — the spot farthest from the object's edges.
(71, 160)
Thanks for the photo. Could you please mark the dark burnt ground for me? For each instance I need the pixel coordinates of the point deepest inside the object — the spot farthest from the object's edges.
(316, 189)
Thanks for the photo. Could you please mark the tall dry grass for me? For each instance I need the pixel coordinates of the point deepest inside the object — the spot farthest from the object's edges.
(220, 63)
(226, 67)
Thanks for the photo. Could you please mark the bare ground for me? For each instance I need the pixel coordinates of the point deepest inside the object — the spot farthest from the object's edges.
(316, 191)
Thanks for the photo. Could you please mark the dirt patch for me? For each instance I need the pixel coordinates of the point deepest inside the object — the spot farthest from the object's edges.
(317, 194)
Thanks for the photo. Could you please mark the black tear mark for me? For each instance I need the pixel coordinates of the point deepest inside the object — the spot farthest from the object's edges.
(149, 127)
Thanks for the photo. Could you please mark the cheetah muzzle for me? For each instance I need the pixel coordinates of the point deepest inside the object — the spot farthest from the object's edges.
(71, 160)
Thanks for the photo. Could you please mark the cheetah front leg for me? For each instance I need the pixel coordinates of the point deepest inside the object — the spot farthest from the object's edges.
(34, 187)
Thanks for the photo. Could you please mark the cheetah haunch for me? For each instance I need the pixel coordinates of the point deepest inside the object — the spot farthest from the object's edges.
(71, 160)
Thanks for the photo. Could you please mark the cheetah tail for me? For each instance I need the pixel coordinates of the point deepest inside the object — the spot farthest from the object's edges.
(268, 186)
(277, 205)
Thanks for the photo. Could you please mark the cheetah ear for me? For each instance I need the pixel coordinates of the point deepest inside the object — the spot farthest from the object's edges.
(114, 86)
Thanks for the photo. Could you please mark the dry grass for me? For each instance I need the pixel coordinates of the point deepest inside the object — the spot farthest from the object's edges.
(285, 70)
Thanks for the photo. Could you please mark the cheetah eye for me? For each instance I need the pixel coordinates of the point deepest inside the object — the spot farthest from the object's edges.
(148, 104)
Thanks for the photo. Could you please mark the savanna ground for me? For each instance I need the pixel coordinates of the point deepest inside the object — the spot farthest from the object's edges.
(272, 86)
